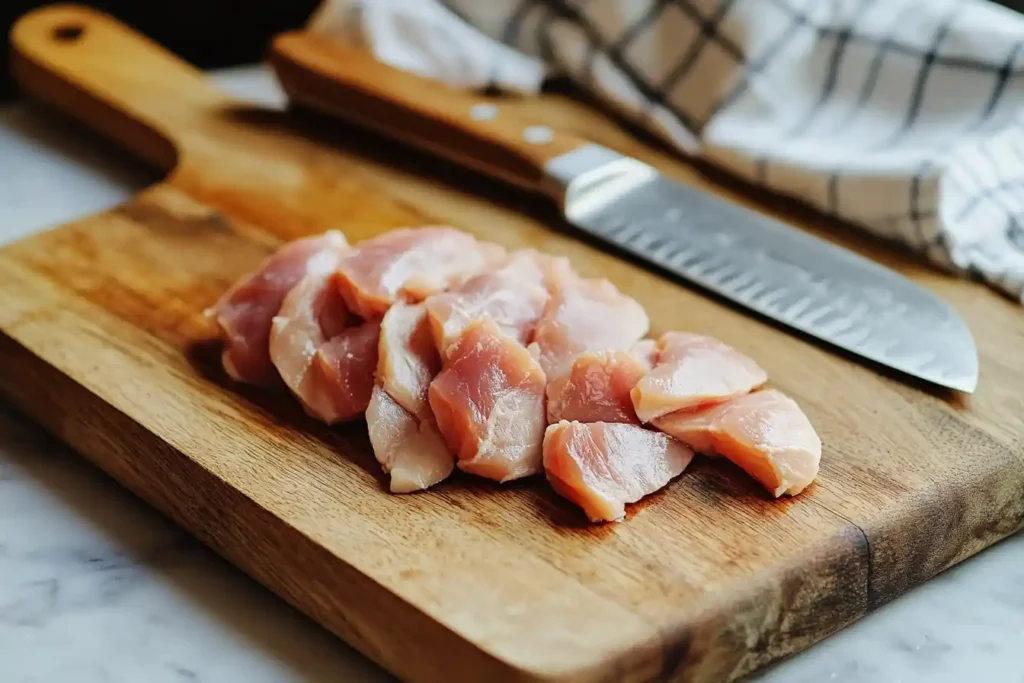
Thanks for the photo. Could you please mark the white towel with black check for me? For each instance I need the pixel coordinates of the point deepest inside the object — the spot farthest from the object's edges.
(900, 116)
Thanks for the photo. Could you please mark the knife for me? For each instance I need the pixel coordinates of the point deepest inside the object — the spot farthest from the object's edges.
(796, 279)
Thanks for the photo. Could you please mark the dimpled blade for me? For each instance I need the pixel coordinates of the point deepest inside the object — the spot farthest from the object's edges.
(796, 279)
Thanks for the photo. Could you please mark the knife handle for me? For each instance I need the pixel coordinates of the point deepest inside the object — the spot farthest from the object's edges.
(347, 82)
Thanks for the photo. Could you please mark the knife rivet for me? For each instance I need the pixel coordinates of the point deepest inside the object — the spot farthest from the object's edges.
(483, 112)
(538, 135)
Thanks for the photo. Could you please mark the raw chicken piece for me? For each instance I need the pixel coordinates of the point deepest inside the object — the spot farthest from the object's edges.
(347, 363)
(403, 432)
(513, 297)
(408, 358)
(328, 366)
(602, 466)
(489, 404)
(596, 389)
(765, 433)
(412, 450)
(410, 263)
(245, 311)
(587, 315)
(553, 272)
(692, 371)
(646, 351)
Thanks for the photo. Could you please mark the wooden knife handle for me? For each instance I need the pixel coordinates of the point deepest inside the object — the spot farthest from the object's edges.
(128, 88)
(346, 82)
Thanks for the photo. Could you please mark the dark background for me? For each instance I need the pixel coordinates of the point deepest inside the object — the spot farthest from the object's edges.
(209, 33)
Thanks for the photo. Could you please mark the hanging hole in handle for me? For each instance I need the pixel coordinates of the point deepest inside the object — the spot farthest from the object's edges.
(68, 33)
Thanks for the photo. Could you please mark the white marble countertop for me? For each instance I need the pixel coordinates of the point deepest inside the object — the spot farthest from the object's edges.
(96, 587)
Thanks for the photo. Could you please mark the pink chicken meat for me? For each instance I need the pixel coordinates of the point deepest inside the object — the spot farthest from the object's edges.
(553, 272)
(411, 264)
(403, 432)
(513, 296)
(693, 370)
(327, 364)
(345, 363)
(410, 449)
(765, 433)
(505, 365)
(646, 351)
(586, 315)
(597, 388)
(244, 313)
(489, 404)
(408, 358)
(603, 466)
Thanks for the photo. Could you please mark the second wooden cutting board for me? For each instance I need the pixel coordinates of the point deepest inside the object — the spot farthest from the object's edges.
(105, 343)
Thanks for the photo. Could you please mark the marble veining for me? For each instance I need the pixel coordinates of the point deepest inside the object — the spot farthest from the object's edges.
(96, 587)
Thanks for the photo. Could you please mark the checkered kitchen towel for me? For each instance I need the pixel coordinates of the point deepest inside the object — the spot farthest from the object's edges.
(901, 116)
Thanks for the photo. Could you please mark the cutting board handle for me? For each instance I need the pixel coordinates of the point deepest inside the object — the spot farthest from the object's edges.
(102, 73)
(349, 83)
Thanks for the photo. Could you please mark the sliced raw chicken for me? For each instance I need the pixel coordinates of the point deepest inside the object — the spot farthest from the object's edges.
(245, 311)
(410, 263)
(596, 389)
(694, 370)
(328, 366)
(602, 466)
(513, 296)
(343, 370)
(553, 272)
(402, 430)
(765, 433)
(587, 315)
(489, 404)
(408, 358)
(646, 351)
(411, 450)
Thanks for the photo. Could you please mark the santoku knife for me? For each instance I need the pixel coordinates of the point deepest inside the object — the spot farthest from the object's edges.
(785, 274)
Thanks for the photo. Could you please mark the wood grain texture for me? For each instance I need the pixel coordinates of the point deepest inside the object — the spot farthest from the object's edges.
(104, 342)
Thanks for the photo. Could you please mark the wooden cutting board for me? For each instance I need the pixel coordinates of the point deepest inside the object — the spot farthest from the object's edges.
(103, 341)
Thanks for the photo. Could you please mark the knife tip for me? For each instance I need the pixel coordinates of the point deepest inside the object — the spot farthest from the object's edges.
(965, 377)
(967, 384)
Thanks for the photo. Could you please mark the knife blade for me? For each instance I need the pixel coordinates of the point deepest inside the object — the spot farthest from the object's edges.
(800, 281)
(794, 278)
